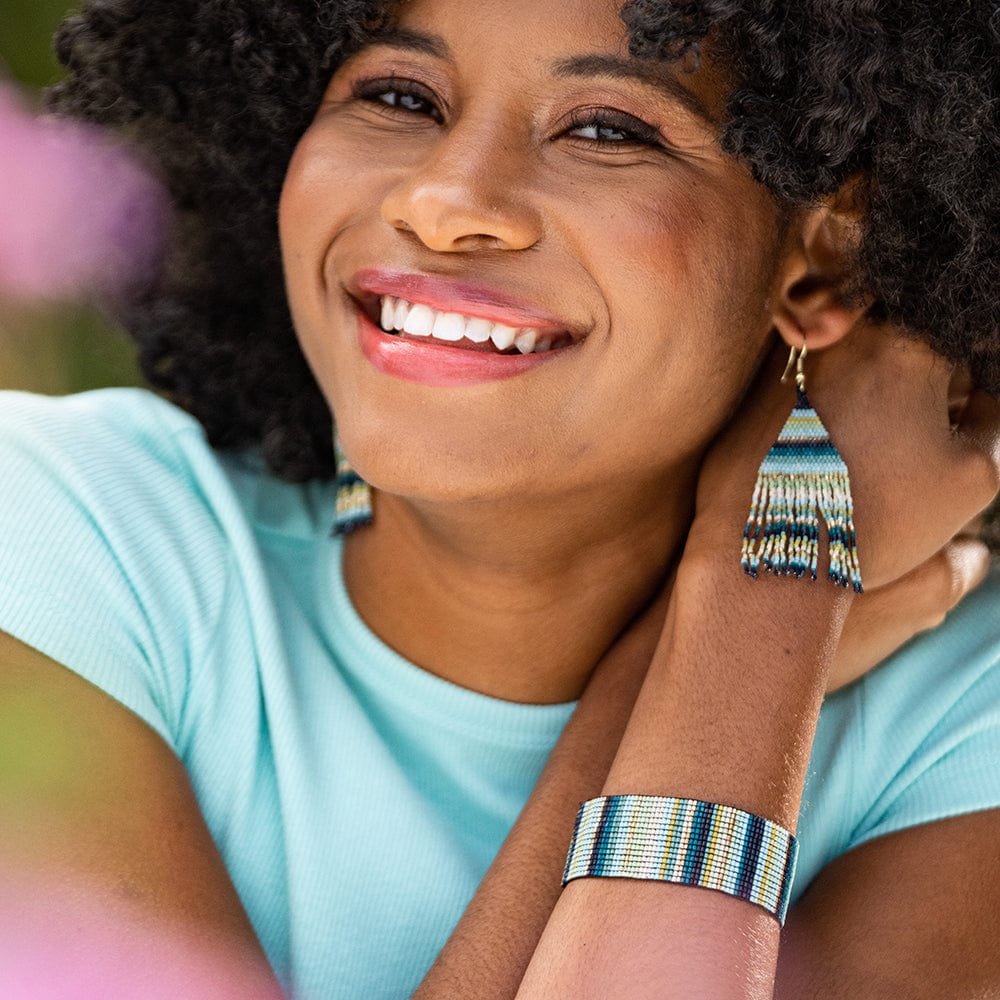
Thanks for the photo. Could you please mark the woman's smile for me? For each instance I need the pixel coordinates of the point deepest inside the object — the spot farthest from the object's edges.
(443, 333)
(445, 355)
(471, 333)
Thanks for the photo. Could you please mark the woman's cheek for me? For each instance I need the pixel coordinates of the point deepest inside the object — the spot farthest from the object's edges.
(313, 207)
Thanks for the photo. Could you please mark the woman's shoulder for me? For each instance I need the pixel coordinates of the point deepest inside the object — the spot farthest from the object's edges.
(136, 443)
(930, 695)
(915, 740)
(116, 458)
(939, 668)
(116, 540)
(929, 736)
(106, 425)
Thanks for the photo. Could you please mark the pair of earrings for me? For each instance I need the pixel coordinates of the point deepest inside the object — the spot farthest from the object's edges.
(801, 479)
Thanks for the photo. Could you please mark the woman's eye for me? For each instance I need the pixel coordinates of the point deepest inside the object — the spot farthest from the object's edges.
(406, 98)
(613, 129)
(602, 133)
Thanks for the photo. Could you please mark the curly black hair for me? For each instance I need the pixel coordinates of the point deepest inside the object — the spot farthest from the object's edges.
(900, 95)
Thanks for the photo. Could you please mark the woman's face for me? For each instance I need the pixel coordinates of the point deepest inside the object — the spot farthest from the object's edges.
(507, 169)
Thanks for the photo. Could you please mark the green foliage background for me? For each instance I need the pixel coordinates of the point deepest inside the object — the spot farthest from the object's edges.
(51, 350)
(26, 29)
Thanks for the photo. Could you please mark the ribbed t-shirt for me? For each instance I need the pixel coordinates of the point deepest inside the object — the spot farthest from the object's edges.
(357, 799)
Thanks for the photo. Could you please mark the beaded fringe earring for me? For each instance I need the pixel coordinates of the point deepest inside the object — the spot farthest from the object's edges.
(354, 497)
(801, 478)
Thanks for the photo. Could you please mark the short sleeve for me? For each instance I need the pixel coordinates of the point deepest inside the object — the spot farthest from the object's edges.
(931, 726)
(111, 562)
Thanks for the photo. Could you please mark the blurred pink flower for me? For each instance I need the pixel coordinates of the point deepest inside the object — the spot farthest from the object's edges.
(78, 215)
(60, 942)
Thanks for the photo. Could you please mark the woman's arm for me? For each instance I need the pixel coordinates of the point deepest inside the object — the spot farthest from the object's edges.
(95, 807)
(729, 707)
(727, 714)
(488, 952)
(924, 919)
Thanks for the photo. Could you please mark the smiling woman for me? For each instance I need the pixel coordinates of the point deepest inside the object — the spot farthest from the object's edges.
(542, 265)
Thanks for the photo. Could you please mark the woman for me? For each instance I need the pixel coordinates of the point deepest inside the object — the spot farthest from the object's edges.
(320, 745)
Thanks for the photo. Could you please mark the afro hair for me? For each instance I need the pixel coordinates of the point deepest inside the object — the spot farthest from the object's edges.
(901, 95)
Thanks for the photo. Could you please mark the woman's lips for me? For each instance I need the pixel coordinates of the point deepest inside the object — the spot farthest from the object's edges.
(452, 296)
(431, 362)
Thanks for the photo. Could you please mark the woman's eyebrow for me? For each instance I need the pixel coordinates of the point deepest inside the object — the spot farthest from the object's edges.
(652, 75)
(416, 41)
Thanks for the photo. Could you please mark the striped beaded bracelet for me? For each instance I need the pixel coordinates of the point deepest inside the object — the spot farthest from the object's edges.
(686, 841)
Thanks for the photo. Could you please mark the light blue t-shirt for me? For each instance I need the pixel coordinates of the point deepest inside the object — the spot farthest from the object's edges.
(358, 800)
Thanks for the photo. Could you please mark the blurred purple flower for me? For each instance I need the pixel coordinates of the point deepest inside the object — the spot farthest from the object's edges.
(78, 215)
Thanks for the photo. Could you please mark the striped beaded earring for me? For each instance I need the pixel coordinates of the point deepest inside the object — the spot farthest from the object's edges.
(354, 497)
(801, 478)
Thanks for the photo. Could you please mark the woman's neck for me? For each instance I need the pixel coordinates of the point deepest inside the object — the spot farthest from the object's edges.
(516, 601)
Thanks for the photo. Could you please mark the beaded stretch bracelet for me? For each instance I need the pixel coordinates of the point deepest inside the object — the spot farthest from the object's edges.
(686, 841)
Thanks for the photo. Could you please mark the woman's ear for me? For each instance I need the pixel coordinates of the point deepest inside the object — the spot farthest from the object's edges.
(813, 301)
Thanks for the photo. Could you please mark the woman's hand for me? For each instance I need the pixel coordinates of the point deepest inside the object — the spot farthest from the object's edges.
(918, 472)
(887, 618)
(923, 464)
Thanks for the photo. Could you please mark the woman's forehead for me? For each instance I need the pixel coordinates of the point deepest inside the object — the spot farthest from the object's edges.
(560, 26)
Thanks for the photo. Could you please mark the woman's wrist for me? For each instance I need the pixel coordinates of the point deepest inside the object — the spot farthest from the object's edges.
(729, 707)
(802, 610)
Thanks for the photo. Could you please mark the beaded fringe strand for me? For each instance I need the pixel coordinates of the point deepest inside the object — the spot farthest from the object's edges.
(802, 477)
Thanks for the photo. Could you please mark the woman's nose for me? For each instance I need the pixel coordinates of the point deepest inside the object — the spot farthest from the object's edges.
(468, 194)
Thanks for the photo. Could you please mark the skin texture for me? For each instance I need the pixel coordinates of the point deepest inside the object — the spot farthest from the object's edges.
(568, 495)
(926, 937)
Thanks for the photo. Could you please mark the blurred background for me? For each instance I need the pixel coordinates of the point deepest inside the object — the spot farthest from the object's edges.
(47, 349)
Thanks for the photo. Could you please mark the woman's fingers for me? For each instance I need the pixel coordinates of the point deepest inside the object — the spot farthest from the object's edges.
(885, 619)
(924, 454)
(923, 450)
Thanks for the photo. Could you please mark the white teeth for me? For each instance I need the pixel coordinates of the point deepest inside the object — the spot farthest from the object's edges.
(388, 313)
(420, 321)
(402, 310)
(502, 336)
(525, 342)
(449, 326)
(478, 330)
(423, 321)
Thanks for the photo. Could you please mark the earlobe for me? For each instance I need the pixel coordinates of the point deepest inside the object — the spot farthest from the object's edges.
(813, 303)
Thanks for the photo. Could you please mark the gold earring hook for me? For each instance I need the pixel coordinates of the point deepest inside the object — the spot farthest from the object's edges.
(797, 357)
